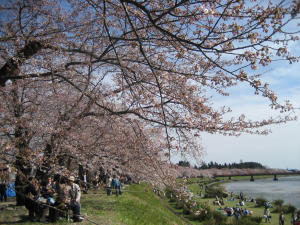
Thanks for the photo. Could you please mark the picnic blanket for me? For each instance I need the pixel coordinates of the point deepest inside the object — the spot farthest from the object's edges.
(10, 191)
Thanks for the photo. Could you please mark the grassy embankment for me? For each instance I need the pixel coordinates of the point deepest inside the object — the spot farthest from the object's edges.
(139, 205)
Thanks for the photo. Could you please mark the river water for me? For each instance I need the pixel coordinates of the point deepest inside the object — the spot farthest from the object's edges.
(286, 188)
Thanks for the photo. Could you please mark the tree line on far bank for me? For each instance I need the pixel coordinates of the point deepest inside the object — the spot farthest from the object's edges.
(210, 165)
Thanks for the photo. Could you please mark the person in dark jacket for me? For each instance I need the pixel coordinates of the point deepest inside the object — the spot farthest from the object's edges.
(281, 219)
(3, 187)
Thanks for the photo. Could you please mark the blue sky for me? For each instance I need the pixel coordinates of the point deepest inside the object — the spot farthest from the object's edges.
(281, 148)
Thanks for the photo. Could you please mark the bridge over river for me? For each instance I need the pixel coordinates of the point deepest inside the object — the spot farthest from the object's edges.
(257, 173)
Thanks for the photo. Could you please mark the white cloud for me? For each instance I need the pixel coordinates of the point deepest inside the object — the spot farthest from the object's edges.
(280, 149)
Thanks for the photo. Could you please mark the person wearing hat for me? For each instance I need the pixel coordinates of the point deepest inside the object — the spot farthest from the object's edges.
(74, 199)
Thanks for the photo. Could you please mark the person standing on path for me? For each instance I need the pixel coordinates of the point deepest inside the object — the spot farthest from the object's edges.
(116, 185)
(281, 218)
(108, 185)
(267, 215)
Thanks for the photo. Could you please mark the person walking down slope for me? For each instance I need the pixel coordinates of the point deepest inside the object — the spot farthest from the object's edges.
(281, 219)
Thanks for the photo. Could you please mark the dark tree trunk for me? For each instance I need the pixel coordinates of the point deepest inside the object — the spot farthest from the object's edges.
(11, 69)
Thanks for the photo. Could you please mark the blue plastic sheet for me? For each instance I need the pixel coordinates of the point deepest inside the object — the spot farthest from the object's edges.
(10, 191)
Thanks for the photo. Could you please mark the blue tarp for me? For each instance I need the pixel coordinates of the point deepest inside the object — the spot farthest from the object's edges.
(10, 191)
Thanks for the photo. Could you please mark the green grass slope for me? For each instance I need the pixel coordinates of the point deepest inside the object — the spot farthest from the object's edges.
(138, 205)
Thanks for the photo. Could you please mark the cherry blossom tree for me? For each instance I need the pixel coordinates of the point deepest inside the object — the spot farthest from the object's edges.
(126, 80)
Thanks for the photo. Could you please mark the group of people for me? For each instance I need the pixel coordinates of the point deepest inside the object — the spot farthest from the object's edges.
(233, 211)
(295, 219)
(267, 215)
(237, 211)
(113, 184)
(57, 196)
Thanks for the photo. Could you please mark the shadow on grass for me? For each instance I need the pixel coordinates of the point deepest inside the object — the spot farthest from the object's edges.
(23, 219)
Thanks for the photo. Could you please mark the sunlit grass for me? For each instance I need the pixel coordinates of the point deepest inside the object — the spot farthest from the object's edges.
(138, 205)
